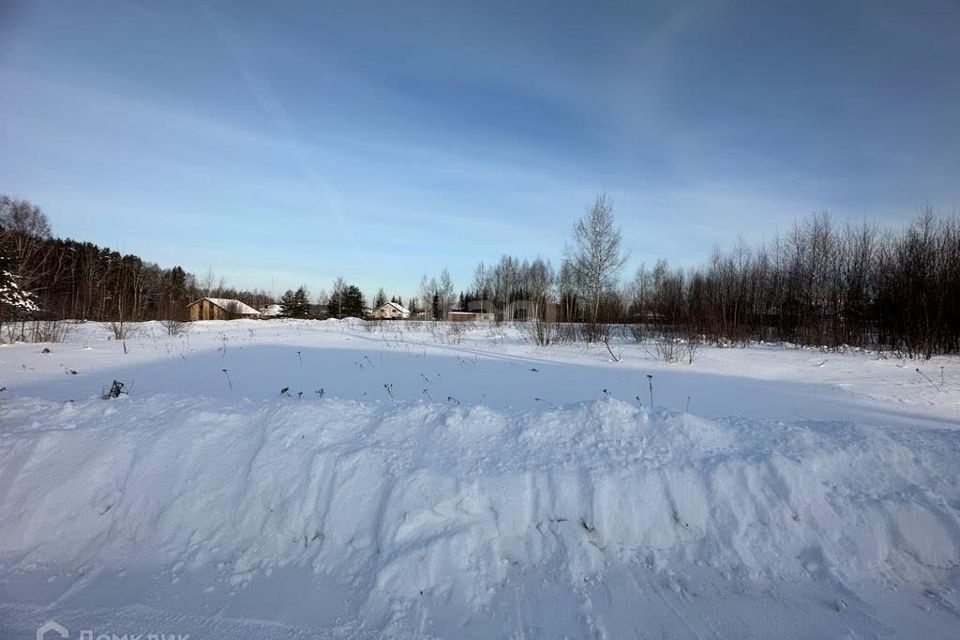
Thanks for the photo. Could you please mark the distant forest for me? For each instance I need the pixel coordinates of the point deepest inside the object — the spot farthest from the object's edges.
(820, 284)
(80, 280)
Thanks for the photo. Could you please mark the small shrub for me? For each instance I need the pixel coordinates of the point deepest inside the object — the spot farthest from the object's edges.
(37, 331)
(497, 332)
(175, 327)
(455, 332)
(121, 329)
(566, 333)
(670, 348)
(692, 346)
(616, 356)
(50, 330)
(667, 347)
(594, 332)
(547, 332)
(542, 333)
(447, 332)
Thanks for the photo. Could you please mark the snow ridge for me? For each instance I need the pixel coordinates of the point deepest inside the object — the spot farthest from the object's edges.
(412, 506)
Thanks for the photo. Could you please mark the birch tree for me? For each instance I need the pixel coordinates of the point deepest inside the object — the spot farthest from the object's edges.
(596, 255)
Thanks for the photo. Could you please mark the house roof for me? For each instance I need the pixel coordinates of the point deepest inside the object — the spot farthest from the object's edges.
(231, 306)
(398, 307)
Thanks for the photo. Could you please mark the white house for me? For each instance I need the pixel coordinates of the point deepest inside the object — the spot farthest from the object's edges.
(271, 311)
(391, 311)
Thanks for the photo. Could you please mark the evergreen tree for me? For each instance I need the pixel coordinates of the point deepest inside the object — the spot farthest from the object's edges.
(335, 304)
(286, 303)
(347, 302)
(176, 294)
(14, 300)
(353, 302)
(380, 300)
(295, 304)
(436, 306)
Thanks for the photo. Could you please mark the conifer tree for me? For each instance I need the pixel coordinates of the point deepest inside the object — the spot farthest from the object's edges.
(14, 300)
(353, 302)
(346, 302)
(295, 304)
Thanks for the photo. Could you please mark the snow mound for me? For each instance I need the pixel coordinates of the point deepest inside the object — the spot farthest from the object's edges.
(400, 508)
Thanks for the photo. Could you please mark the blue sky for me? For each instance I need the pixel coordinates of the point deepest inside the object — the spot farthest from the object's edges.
(286, 143)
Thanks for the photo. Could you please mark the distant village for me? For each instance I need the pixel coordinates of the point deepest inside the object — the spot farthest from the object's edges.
(230, 309)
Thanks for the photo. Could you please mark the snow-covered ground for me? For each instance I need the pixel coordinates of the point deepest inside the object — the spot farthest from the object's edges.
(412, 482)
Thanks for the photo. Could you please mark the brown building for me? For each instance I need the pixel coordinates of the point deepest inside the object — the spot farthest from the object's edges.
(468, 316)
(220, 309)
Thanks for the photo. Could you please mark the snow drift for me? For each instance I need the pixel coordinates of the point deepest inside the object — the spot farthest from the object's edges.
(419, 519)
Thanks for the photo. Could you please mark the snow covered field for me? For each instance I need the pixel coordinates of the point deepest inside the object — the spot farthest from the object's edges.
(412, 482)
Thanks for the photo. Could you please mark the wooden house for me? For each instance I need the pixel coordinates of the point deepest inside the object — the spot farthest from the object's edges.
(220, 309)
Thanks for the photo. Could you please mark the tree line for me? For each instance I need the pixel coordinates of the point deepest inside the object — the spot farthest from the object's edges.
(819, 284)
(73, 279)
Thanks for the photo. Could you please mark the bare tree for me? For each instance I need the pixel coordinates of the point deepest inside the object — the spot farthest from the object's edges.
(23, 217)
(428, 288)
(506, 283)
(24, 228)
(207, 283)
(538, 283)
(322, 298)
(595, 255)
(339, 287)
(481, 285)
(445, 291)
(567, 290)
